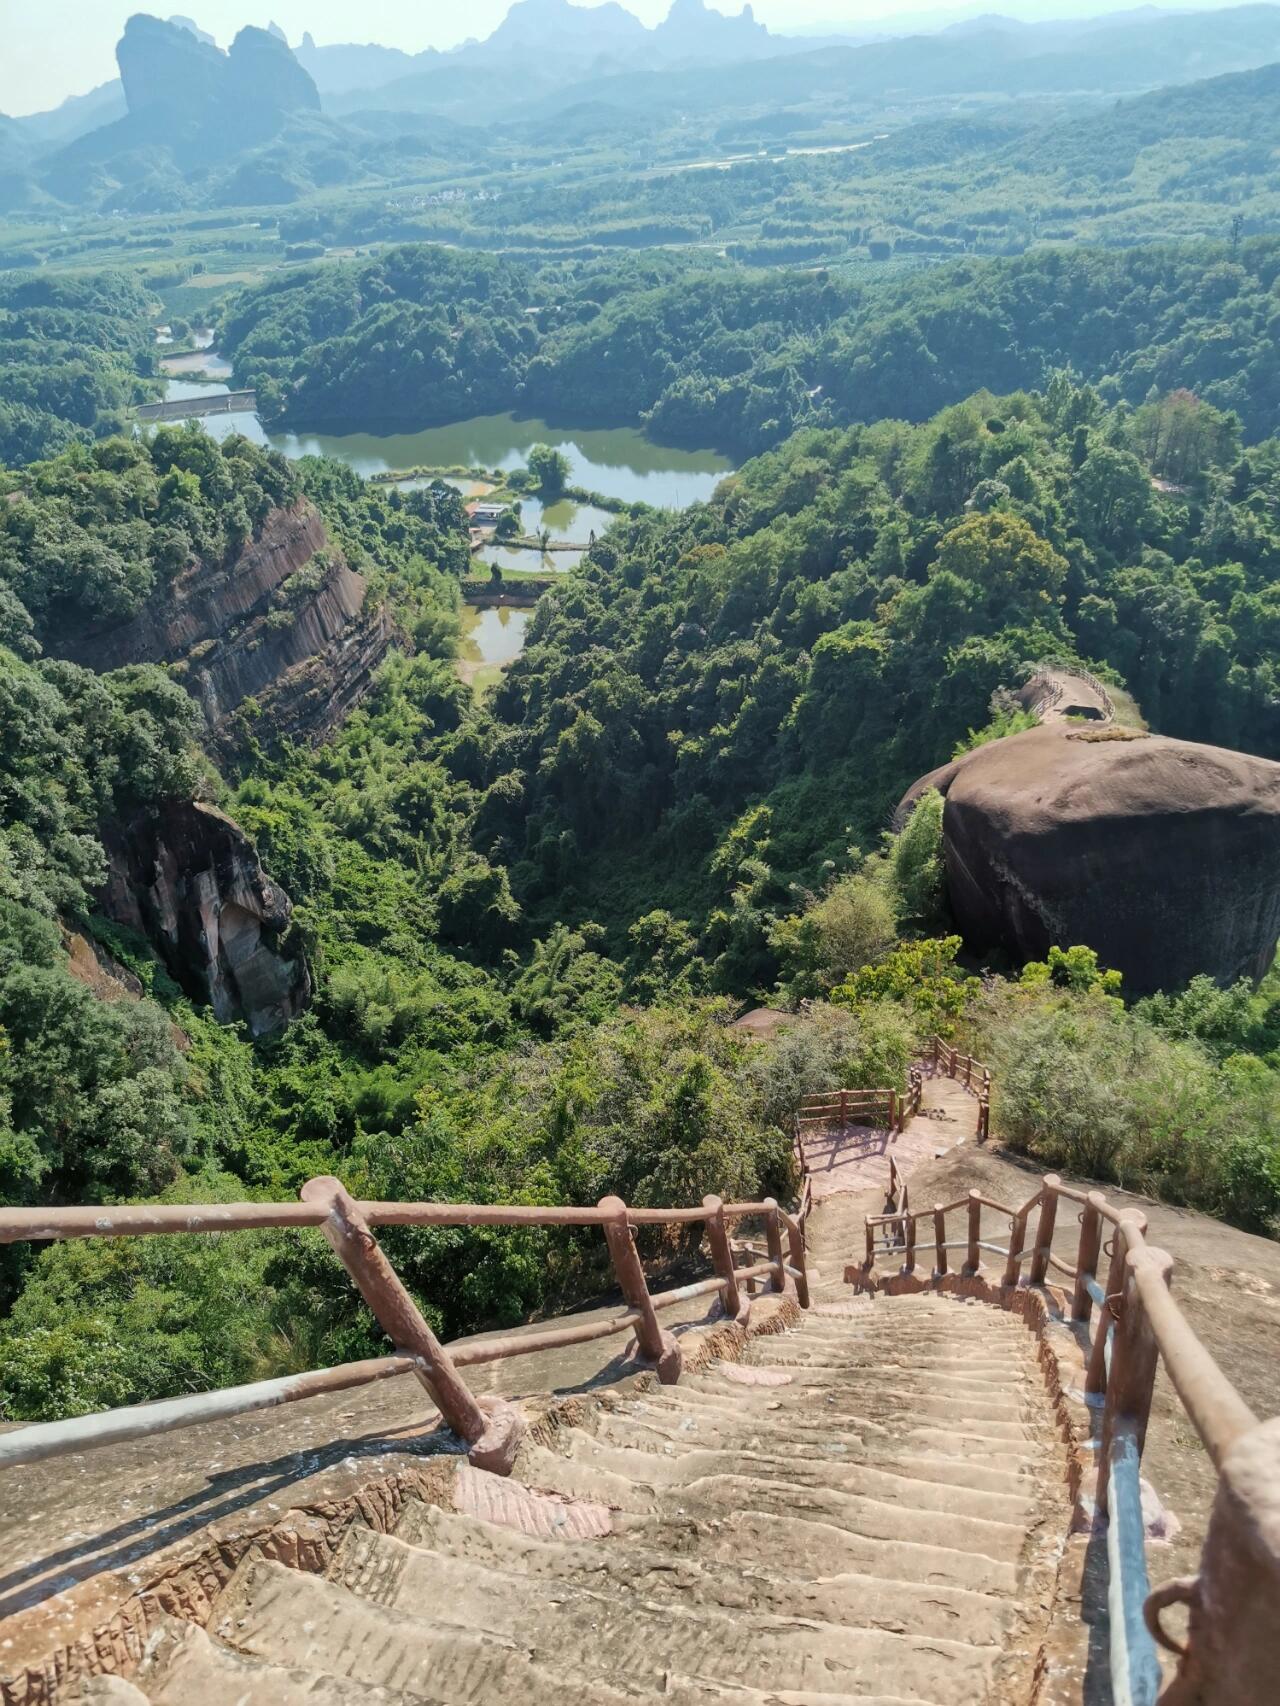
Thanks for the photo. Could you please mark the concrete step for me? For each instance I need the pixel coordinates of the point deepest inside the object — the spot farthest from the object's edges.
(943, 1492)
(711, 1495)
(812, 1452)
(287, 1618)
(628, 1642)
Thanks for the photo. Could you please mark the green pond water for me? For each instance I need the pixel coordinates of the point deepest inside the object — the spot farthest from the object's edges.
(492, 638)
(620, 462)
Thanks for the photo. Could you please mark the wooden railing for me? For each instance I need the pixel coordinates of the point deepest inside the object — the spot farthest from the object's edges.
(1137, 1325)
(489, 1427)
(975, 1077)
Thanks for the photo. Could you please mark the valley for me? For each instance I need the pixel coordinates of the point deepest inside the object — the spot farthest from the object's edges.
(824, 394)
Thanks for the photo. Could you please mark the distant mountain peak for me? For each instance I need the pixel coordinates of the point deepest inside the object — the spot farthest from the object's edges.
(534, 22)
(170, 67)
(192, 28)
(694, 24)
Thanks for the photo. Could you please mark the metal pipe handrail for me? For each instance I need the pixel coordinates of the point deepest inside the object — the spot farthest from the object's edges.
(1139, 1325)
(347, 1225)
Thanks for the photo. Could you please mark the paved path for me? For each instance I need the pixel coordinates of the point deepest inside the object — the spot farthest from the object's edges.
(856, 1158)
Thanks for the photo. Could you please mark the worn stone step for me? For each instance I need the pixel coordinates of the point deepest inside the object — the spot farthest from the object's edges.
(941, 1492)
(778, 1584)
(711, 1494)
(278, 1614)
(813, 1451)
(1008, 1400)
(823, 1549)
(631, 1642)
(181, 1666)
(847, 1408)
(285, 1617)
(691, 1415)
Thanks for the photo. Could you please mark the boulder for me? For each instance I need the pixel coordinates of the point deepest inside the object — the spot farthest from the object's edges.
(1162, 855)
(188, 878)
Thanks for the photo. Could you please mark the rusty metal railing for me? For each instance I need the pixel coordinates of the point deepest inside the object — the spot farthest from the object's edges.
(1138, 1325)
(489, 1427)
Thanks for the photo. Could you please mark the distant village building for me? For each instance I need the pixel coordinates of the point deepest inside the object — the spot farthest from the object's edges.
(486, 515)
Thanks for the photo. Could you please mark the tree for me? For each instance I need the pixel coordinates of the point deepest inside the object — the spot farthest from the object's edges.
(550, 469)
(1020, 575)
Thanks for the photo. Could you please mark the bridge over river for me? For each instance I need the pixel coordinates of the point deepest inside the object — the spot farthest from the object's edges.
(190, 408)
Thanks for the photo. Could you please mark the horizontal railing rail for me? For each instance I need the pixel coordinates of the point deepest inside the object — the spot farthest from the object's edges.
(973, 1074)
(1138, 1324)
(490, 1430)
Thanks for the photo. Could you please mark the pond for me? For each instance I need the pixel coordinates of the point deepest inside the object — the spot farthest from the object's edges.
(208, 362)
(619, 462)
(491, 639)
(508, 557)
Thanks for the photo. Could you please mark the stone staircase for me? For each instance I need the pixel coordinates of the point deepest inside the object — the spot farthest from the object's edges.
(868, 1506)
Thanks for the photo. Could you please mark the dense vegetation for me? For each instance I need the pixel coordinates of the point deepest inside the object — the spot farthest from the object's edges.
(1008, 372)
(74, 353)
(741, 359)
(529, 919)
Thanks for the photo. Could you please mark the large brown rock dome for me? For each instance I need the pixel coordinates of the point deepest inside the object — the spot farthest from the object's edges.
(1162, 855)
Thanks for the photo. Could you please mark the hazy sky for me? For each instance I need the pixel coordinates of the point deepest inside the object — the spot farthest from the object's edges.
(50, 49)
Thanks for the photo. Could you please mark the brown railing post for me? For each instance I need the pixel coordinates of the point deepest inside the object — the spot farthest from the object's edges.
(492, 1437)
(909, 1253)
(722, 1256)
(1135, 1357)
(1230, 1654)
(844, 1108)
(940, 1237)
(1017, 1239)
(973, 1256)
(1044, 1230)
(654, 1345)
(871, 1244)
(893, 1110)
(773, 1237)
(795, 1250)
(1096, 1379)
(1087, 1256)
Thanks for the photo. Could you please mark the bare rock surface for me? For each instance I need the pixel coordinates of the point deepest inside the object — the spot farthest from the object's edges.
(1163, 855)
(188, 878)
(284, 624)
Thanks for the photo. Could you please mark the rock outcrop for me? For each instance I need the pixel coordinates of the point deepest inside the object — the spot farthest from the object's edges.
(285, 624)
(169, 67)
(1162, 855)
(188, 878)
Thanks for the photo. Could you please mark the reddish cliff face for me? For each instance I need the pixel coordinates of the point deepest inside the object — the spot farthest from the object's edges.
(285, 624)
(188, 878)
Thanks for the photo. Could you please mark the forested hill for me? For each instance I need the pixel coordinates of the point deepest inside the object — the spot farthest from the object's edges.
(518, 914)
(739, 358)
(73, 353)
(728, 701)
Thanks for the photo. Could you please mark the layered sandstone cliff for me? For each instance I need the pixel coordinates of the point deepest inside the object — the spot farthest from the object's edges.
(1162, 855)
(188, 878)
(287, 625)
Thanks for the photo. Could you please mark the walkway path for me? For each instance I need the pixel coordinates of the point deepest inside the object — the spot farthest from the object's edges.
(856, 1158)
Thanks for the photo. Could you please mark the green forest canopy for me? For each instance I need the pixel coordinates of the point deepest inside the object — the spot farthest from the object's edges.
(525, 915)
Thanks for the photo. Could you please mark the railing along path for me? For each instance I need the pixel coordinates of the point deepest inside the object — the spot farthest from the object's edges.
(1137, 1325)
(490, 1428)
